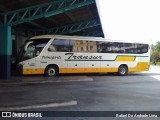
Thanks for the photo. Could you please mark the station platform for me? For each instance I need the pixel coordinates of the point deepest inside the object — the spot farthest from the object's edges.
(31, 79)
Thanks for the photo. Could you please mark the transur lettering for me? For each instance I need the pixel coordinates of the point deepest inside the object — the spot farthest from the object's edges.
(71, 56)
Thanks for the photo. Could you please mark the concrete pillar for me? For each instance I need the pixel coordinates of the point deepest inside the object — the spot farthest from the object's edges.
(5, 52)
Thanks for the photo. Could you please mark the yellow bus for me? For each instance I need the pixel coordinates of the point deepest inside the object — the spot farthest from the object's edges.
(55, 54)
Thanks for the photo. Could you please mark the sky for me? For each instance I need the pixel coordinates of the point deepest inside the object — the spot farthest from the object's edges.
(131, 20)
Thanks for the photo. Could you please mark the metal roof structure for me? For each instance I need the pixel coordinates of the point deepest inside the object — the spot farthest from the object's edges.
(44, 17)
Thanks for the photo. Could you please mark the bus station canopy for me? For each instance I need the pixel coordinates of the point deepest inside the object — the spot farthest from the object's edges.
(43, 17)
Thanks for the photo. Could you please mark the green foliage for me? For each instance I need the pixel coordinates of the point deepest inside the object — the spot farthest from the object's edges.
(158, 63)
(155, 53)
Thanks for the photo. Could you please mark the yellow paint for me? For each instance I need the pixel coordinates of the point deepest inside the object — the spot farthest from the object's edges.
(141, 66)
(63, 70)
(75, 70)
(92, 70)
(33, 71)
(109, 69)
(87, 70)
(125, 58)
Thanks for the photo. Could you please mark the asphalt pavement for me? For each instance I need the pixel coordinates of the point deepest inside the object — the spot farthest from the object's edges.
(91, 92)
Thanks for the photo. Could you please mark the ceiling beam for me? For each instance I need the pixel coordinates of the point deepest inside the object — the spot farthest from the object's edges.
(3, 9)
(93, 33)
(71, 28)
(52, 20)
(28, 14)
(37, 25)
(25, 2)
(66, 29)
(70, 16)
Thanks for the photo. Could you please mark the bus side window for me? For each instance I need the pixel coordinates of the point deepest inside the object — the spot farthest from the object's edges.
(129, 48)
(142, 48)
(61, 45)
(52, 48)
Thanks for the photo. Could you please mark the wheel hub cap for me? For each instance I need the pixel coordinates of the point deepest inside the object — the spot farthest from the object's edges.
(123, 71)
(51, 72)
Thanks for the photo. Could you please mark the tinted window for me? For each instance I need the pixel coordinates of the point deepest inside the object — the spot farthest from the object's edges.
(60, 45)
(106, 47)
(84, 46)
(141, 48)
(119, 47)
(129, 48)
(34, 48)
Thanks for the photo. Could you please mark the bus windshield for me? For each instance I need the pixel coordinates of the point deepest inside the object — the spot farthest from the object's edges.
(33, 48)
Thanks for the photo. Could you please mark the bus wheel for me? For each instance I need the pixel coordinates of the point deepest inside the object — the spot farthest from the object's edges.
(51, 71)
(122, 70)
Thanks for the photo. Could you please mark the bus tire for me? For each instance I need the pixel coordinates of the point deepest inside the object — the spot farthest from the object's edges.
(122, 70)
(51, 70)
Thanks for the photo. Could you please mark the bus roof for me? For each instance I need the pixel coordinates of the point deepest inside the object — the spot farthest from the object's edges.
(65, 36)
(80, 38)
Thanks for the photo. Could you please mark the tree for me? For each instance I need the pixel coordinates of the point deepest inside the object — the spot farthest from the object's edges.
(155, 53)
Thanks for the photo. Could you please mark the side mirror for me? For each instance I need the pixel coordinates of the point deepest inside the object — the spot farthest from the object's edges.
(27, 44)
